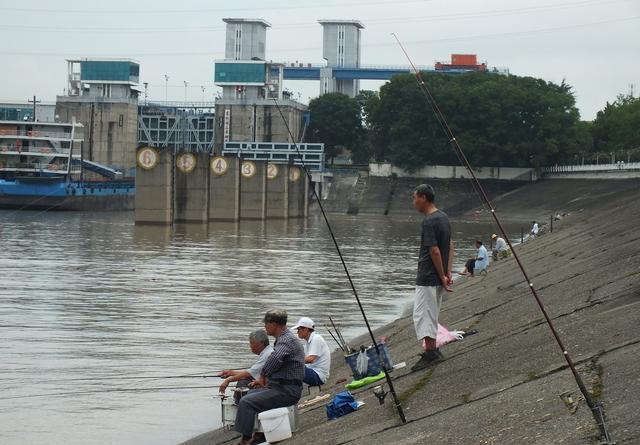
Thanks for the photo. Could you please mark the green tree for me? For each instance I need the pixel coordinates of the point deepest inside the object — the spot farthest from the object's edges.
(498, 120)
(616, 128)
(336, 121)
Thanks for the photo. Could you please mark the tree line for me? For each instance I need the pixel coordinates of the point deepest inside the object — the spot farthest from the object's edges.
(498, 120)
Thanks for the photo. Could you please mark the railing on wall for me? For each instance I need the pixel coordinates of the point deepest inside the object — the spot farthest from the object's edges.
(621, 165)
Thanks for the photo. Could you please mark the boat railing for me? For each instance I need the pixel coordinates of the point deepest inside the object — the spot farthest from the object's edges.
(12, 149)
(34, 166)
(35, 134)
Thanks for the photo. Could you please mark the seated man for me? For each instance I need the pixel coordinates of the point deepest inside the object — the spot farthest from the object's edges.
(501, 246)
(477, 264)
(280, 382)
(482, 258)
(317, 356)
(259, 345)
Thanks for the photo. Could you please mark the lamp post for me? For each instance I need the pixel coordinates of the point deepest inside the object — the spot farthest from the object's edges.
(185, 93)
(146, 95)
(202, 87)
(166, 88)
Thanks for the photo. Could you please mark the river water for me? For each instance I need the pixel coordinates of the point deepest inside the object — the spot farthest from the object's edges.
(91, 306)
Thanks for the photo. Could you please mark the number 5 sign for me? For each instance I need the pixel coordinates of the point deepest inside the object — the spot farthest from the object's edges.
(219, 165)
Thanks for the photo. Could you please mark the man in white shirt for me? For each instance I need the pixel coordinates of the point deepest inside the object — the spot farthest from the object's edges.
(534, 230)
(259, 344)
(317, 357)
(501, 246)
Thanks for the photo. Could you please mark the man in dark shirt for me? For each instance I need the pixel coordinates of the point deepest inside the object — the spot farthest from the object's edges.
(280, 382)
(434, 273)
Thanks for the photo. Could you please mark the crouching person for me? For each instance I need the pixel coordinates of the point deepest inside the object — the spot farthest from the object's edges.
(280, 381)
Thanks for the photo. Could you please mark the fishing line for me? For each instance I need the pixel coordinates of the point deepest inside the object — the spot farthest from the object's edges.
(597, 408)
(344, 266)
(98, 391)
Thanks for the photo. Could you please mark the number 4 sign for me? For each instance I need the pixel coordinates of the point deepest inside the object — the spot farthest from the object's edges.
(219, 165)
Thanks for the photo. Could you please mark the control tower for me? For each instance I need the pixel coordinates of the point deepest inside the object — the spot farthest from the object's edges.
(341, 49)
(102, 94)
(247, 112)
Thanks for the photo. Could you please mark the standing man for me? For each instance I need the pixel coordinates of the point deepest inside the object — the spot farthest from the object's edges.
(434, 273)
(534, 229)
(280, 382)
(259, 345)
(501, 246)
(317, 356)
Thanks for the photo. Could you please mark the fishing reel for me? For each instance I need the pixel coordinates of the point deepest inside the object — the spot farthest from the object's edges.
(380, 393)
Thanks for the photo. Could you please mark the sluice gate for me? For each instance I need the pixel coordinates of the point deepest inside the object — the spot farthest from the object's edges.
(197, 187)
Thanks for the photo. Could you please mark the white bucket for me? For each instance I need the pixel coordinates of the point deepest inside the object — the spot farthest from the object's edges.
(275, 424)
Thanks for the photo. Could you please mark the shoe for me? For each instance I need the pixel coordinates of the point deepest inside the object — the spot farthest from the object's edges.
(427, 359)
(258, 438)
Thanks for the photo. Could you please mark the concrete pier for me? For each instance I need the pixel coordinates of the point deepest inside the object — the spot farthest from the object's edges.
(253, 190)
(224, 189)
(154, 187)
(296, 197)
(277, 191)
(191, 197)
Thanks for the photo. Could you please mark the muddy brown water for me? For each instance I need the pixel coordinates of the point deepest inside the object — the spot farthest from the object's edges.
(89, 303)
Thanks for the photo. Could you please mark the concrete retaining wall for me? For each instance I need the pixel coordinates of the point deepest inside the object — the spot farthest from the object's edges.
(253, 191)
(278, 192)
(455, 172)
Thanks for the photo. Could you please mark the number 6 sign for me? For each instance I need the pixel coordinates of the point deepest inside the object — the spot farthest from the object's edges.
(147, 158)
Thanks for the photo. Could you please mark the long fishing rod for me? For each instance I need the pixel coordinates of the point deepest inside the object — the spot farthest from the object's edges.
(396, 401)
(98, 391)
(597, 408)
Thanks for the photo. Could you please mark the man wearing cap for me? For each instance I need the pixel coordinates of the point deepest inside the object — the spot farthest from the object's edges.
(280, 381)
(501, 246)
(317, 357)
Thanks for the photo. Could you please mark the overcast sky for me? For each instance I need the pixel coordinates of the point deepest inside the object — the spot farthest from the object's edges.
(593, 44)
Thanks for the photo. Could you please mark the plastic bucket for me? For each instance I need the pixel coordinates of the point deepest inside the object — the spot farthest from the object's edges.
(275, 424)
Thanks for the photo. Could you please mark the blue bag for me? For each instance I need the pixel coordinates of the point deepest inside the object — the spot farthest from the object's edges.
(343, 403)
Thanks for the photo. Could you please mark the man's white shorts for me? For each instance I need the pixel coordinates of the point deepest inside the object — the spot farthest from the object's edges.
(426, 307)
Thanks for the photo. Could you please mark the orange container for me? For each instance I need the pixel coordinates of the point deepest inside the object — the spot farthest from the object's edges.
(464, 59)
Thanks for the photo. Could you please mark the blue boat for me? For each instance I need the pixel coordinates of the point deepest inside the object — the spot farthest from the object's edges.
(42, 168)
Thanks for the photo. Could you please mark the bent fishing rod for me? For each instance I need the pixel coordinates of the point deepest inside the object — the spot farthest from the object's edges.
(396, 400)
(597, 408)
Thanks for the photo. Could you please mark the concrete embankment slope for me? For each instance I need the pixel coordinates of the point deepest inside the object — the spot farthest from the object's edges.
(392, 196)
(502, 385)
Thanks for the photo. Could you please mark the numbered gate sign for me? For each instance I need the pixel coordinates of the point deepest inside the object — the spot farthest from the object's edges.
(294, 174)
(272, 171)
(147, 158)
(186, 162)
(248, 169)
(219, 165)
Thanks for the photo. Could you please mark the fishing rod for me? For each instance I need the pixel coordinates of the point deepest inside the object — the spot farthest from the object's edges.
(99, 391)
(396, 401)
(597, 408)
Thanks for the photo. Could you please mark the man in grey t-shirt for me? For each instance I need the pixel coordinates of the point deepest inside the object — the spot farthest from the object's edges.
(434, 273)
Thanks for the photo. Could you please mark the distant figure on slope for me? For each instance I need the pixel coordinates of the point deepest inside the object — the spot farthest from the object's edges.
(501, 246)
(317, 355)
(476, 265)
(534, 230)
(434, 273)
